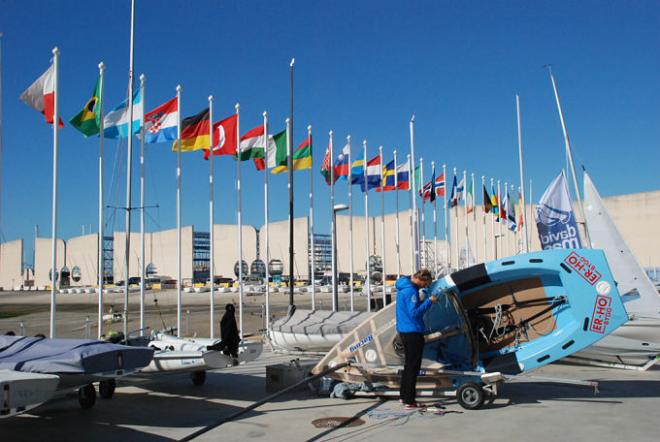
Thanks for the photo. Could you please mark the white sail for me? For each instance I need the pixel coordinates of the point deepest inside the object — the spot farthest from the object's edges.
(625, 268)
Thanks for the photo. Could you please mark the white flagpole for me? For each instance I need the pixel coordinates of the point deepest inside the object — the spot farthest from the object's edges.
(240, 220)
(382, 223)
(178, 217)
(474, 221)
(505, 221)
(397, 233)
(350, 219)
(483, 218)
(312, 272)
(415, 232)
(422, 248)
(513, 235)
(458, 259)
(492, 223)
(332, 223)
(410, 216)
(266, 216)
(435, 221)
(211, 225)
(101, 227)
(569, 153)
(446, 209)
(500, 246)
(467, 223)
(367, 284)
(142, 221)
(129, 161)
(54, 271)
(531, 208)
(522, 175)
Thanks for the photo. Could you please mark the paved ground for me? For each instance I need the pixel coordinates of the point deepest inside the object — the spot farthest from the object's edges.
(169, 408)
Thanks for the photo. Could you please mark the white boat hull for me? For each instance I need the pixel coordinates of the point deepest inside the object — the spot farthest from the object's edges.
(20, 392)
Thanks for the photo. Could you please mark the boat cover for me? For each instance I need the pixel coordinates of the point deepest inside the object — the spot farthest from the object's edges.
(70, 356)
(319, 322)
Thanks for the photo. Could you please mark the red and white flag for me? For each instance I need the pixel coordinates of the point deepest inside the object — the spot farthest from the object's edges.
(224, 137)
(40, 96)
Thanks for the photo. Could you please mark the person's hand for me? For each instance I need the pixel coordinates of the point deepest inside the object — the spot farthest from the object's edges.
(434, 299)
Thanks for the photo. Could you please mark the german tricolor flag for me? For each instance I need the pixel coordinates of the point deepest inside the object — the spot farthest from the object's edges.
(194, 133)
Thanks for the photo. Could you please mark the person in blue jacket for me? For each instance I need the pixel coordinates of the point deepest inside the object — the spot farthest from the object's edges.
(410, 311)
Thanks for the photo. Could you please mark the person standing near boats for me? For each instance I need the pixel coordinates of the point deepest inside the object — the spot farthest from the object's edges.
(410, 311)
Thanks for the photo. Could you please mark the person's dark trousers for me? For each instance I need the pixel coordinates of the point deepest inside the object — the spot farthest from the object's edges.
(413, 346)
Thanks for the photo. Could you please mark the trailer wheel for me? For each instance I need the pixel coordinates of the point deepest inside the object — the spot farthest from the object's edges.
(87, 396)
(470, 396)
(198, 377)
(107, 388)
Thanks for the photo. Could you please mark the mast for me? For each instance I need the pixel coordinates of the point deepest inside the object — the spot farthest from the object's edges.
(178, 216)
(239, 204)
(54, 271)
(142, 220)
(366, 224)
(266, 210)
(333, 228)
(415, 232)
(396, 196)
(522, 175)
(289, 145)
(382, 223)
(211, 224)
(350, 221)
(446, 216)
(312, 273)
(101, 264)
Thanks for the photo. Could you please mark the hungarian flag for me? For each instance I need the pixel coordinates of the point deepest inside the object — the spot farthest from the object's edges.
(194, 132)
(488, 202)
(252, 144)
(302, 157)
(325, 168)
(88, 119)
(224, 137)
(40, 96)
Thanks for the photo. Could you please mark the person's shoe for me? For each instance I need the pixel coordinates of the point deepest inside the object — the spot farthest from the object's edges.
(413, 406)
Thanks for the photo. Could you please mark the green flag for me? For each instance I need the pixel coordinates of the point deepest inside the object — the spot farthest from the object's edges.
(87, 120)
(277, 151)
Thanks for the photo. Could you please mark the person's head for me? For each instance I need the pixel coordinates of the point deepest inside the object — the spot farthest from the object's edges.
(422, 278)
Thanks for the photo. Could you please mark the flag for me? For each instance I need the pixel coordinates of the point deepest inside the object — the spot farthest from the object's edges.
(224, 137)
(554, 217)
(510, 213)
(403, 176)
(456, 192)
(357, 172)
(252, 145)
(160, 124)
(276, 154)
(501, 208)
(520, 212)
(488, 202)
(341, 163)
(373, 174)
(40, 96)
(302, 157)
(194, 133)
(115, 123)
(428, 191)
(418, 178)
(469, 198)
(88, 119)
(325, 168)
(387, 182)
(440, 185)
(494, 202)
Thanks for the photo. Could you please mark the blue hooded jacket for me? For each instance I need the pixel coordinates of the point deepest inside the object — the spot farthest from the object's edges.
(409, 309)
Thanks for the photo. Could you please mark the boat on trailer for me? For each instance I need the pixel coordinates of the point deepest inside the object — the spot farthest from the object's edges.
(20, 392)
(492, 322)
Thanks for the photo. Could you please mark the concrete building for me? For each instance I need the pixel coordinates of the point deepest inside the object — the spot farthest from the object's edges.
(11, 264)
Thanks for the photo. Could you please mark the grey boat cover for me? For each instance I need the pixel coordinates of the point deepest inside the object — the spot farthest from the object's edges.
(320, 322)
(70, 356)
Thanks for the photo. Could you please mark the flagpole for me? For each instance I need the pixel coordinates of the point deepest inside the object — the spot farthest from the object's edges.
(522, 173)
(366, 224)
(382, 224)
(312, 272)
(239, 218)
(290, 182)
(569, 153)
(422, 248)
(142, 198)
(211, 225)
(458, 260)
(333, 231)
(56, 118)
(178, 215)
(396, 197)
(483, 218)
(410, 216)
(129, 161)
(415, 232)
(266, 213)
(499, 227)
(531, 208)
(350, 220)
(492, 222)
(474, 221)
(513, 234)
(435, 222)
(101, 264)
(467, 223)
(447, 251)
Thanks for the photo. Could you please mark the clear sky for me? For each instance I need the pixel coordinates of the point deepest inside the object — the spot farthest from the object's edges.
(362, 68)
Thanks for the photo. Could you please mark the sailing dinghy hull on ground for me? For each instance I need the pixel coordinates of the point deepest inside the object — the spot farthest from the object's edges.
(497, 319)
(20, 392)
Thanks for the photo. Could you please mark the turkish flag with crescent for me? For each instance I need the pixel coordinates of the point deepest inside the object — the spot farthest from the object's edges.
(224, 137)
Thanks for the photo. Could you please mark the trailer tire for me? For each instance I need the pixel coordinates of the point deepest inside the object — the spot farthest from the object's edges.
(470, 396)
(87, 396)
(107, 388)
(198, 377)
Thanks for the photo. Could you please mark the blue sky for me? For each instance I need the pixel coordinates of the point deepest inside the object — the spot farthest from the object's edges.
(362, 67)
